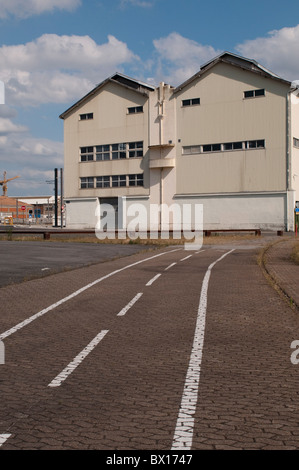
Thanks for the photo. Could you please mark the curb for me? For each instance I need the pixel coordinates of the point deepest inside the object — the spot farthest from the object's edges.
(273, 280)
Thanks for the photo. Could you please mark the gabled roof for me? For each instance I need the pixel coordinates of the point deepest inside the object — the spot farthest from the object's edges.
(237, 61)
(120, 79)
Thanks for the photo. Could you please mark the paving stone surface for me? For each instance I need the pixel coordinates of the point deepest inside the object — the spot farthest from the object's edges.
(126, 394)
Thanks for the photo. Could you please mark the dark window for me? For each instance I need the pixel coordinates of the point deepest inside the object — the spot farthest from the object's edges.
(253, 93)
(211, 148)
(249, 94)
(119, 181)
(237, 145)
(135, 149)
(102, 152)
(228, 146)
(191, 102)
(118, 151)
(87, 182)
(85, 117)
(87, 158)
(103, 182)
(86, 154)
(253, 144)
(136, 180)
(86, 149)
(135, 109)
(216, 147)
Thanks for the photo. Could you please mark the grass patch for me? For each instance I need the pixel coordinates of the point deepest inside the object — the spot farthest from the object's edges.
(217, 238)
(295, 253)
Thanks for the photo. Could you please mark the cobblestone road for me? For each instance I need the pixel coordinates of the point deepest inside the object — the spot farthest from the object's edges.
(97, 358)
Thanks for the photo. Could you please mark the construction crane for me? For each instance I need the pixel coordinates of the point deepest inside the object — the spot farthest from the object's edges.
(4, 182)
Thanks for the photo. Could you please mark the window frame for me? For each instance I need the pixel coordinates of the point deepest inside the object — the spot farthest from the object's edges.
(109, 152)
(255, 93)
(134, 110)
(186, 103)
(86, 116)
(136, 180)
(87, 153)
(112, 181)
(224, 147)
(118, 179)
(105, 182)
(88, 182)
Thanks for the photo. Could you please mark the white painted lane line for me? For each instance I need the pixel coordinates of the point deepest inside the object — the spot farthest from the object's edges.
(200, 251)
(186, 258)
(170, 266)
(3, 438)
(78, 359)
(130, 304)
(153, 280)
(77, 292)
(183, 434)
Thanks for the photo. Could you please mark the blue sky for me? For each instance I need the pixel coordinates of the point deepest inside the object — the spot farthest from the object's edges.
(52, 52)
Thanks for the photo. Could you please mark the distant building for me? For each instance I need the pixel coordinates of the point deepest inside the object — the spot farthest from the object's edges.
(227, 138)
(15, 209)
(43, 207)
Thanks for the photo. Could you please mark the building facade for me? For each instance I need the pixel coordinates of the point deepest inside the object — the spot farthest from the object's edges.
(14, 211)
(227, 138)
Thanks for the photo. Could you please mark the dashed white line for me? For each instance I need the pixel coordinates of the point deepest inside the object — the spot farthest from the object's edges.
(130, 304)
(74, 294)
(183, 259)
(153, 280)
(3, 438)
(183, 434)
(170, 266)
(78, 359)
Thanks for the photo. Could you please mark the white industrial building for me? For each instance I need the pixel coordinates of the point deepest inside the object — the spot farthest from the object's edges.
(227, 138)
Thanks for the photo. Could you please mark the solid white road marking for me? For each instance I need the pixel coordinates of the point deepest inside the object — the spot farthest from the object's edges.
(153, 280)
(74, 294)
(170, 266)
(130, 304)
(186, 258)
(78, 359)
(3, 438)
(45, 269)
(183, 434)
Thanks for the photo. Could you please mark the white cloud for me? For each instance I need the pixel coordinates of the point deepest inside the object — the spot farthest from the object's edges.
(8, 127)
(180, 57)
(32, 159)
(58, 69)
(278, 51)
(27, 8)
(137, 3)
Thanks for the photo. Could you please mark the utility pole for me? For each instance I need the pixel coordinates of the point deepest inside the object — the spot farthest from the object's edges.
(61, 197)
(56, 196)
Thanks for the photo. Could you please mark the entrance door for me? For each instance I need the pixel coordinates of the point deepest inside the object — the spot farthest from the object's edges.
(113, 202)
